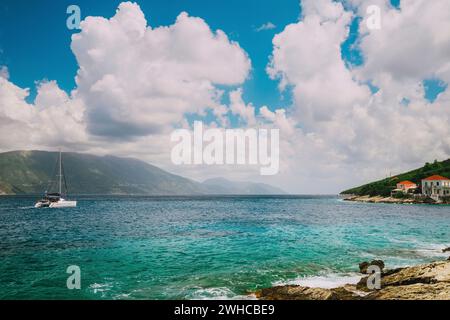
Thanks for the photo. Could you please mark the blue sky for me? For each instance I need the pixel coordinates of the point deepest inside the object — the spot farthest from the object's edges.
(35, 31)
(35, 43)
(330, 116)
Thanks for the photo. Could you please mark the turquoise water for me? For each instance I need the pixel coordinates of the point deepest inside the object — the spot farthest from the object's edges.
(205, 247)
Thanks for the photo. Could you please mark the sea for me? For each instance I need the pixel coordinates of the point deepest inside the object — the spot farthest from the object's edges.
(206, 247)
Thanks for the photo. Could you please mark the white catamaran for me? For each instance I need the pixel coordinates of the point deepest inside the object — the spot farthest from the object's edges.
(56, 200)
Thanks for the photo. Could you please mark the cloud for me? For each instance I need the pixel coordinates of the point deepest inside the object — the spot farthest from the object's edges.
(54, 120)
(344, 131)
(136, 83)
(266, 26)
(307, 56)
(4, 72)
(15, 113)
(137, 80)
(246, 112)
(424, 54)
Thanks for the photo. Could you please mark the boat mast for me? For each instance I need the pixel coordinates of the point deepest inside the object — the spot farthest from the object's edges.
(60, 173)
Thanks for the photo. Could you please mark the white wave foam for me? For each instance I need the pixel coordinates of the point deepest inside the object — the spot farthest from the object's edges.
(421, 252)
(429, 253)
(329, 281)
(100, 288)
(220, 293)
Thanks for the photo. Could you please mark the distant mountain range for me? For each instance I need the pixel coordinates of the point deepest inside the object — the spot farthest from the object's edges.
(385, 186)
(29, 172)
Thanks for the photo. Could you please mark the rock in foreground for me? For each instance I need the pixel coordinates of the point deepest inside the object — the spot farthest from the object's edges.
(418, 291)
(292, 292)
(423, 282)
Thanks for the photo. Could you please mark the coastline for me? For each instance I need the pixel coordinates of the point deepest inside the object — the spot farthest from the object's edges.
(381, 199)
(430, 281)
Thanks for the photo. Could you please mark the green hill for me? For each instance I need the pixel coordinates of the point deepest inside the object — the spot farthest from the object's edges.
(30, 172)
(384, 187)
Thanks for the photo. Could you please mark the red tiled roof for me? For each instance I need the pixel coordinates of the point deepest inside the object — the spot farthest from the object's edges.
(436, 177)
(406, 182)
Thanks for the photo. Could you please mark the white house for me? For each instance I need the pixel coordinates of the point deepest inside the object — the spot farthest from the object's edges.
(436, 187)
(405, 186)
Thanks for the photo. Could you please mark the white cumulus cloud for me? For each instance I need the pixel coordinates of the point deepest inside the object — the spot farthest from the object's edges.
(344, 132)
(266, 26)
(137, 80)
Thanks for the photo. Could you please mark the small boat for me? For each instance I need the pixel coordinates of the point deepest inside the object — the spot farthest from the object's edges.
(57, 199)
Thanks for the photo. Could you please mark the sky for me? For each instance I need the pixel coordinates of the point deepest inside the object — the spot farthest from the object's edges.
(21, 48)
(352, 103)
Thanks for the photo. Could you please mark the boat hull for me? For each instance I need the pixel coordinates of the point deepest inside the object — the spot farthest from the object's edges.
(63, 204)
(40, 204)
(56, 204)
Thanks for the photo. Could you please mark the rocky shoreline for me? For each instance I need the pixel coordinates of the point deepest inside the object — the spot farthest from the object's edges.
(381, 199)
(429, 281)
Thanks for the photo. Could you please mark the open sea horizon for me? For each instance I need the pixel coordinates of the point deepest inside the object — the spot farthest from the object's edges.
(206, 247)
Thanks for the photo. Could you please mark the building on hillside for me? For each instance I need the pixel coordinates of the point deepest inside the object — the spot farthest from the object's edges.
(436, 187)
(406, 186)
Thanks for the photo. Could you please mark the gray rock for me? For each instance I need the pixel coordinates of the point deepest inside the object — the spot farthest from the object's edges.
(364, 265)
(418, 291)
(423, 282)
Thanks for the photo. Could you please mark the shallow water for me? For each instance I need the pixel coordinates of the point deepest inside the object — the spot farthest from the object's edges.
(205, 247)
